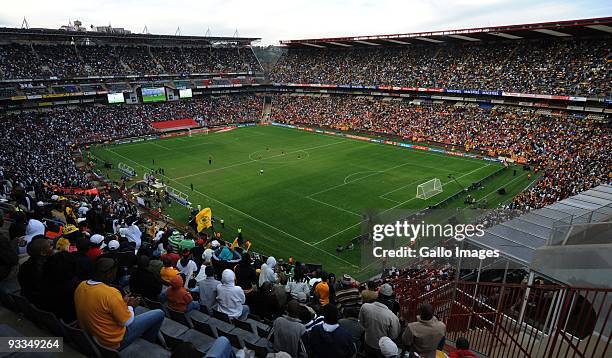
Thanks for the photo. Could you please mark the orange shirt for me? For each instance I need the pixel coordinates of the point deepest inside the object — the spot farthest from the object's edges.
(167, 273)
(102, 312)
(322, 290)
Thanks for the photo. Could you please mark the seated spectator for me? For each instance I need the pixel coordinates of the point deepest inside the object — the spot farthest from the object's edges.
(263, 302)
(378, 321)
(298, 284)
(8, 254)
(388, 348)
(347, 295)
(350, 322)
(186, 266)
(143, 282)
(329, 339)
(31, 272)
(208, 288)
(287, 332)
(173, 256)
(266, 273)
(95, 250)
(179, 298)
(424, 335)
(106, 315)
(84, 265)
(230, 298)
(246, 275)
(369, 294)
(463, 349)
(59, 283)
(167, 272)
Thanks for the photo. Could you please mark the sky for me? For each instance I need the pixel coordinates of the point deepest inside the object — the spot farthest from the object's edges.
(274, 20)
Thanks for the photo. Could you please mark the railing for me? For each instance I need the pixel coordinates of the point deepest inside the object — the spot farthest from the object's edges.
(510, 320)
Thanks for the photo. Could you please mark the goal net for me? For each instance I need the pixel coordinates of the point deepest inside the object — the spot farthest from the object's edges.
(429, 189)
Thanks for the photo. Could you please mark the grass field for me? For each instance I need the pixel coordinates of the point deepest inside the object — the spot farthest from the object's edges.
(314, 187)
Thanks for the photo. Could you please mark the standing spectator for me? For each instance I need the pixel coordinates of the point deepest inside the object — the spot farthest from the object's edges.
(8, 254)
(230, 298)
(347, 295)
(330, 340)
(425, 335)
(103, 313)
(378, 321)
(369, 294)
(463, 349)
(84, 266)
(95, 250)
(179, 298)
(167, 272)
(143, 282)
(321, 290)
(298, 284)
(287, 332)
(267, 273)
(350, 322)
(246, 275)
(208, 288)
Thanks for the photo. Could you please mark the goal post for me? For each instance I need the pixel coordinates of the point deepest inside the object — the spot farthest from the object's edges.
(429, 189)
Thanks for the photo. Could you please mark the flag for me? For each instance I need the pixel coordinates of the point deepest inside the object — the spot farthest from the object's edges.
(203, 219)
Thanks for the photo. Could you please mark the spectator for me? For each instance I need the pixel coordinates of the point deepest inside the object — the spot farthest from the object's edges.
(298, 284)
(8, 254)
(230, 298)
(246, 275)
(388, 348)
(369, 294)
(96, 247)
(287, 332)
(350, 323)
(266, 273)
(168, 272)
(330, 339)
(143, 282)
(103, 313)
(84, 265)
(347, 295)
(187, 266)
(59, 283)
(208, 289)
(378, 321)
(321, 290)
(31, 272)
(424, 335)
(179, 298)
(463, 349)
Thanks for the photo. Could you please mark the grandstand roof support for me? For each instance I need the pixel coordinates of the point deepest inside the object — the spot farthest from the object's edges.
(24, 23)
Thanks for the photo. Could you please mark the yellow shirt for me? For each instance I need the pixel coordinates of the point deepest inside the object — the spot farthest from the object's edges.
(322, 290)
(102, 312)
(167, 273)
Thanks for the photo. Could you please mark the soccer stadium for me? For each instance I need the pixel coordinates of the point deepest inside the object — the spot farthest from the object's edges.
(206, 196)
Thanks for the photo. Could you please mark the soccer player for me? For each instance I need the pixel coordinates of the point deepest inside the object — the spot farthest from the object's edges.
(191, 185)
(260, 171)
(209, 159)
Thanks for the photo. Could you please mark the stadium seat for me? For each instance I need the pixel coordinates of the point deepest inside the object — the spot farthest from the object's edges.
(140, 310)
(49, 322)
(7, 301)
(204, 327)
(261, 351)
(222, 316)
(153, 304)
(263, 333)
(24, 307)
(138, 348)
(233, 338)
(179, 317)
(80, 340)
(201, 341)
(172, 328)
(244, 325)
(171, 341)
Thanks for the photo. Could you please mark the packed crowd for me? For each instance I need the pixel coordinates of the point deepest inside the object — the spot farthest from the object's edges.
(563, 67)
(93, 259)
(560, 146)
(37, 146)
(21, 61)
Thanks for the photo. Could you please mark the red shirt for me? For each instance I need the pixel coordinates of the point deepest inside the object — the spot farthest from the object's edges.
(93, 253)
(461, 353)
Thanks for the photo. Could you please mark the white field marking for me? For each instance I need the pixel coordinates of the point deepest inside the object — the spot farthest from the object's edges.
(161, 146)
(365, 171)
(503, 185)
(333, 206)
(253, 161)
(292, 160)
(394, 207)
(400, 188)
(391, 200)
(242, 213)
(361, 178)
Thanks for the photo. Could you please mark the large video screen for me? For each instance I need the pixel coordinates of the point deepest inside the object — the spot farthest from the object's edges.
(185, 93)
(153, 94)
(115, 98)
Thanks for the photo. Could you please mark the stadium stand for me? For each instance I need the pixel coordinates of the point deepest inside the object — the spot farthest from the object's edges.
(65, 229)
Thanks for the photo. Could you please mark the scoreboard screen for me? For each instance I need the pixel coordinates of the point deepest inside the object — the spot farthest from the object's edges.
(157, 94)
(115, 98)
(185, 93)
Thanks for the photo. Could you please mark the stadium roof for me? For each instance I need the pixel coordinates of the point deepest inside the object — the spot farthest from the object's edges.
(33, 34)
(557, 29)
(518, 239)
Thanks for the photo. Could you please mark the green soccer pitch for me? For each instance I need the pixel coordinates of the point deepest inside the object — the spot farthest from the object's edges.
(313, 189)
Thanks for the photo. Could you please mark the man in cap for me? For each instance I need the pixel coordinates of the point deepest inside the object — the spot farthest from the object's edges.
(106, 315)
(95, 250)
(378, 321)
(347, 295)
